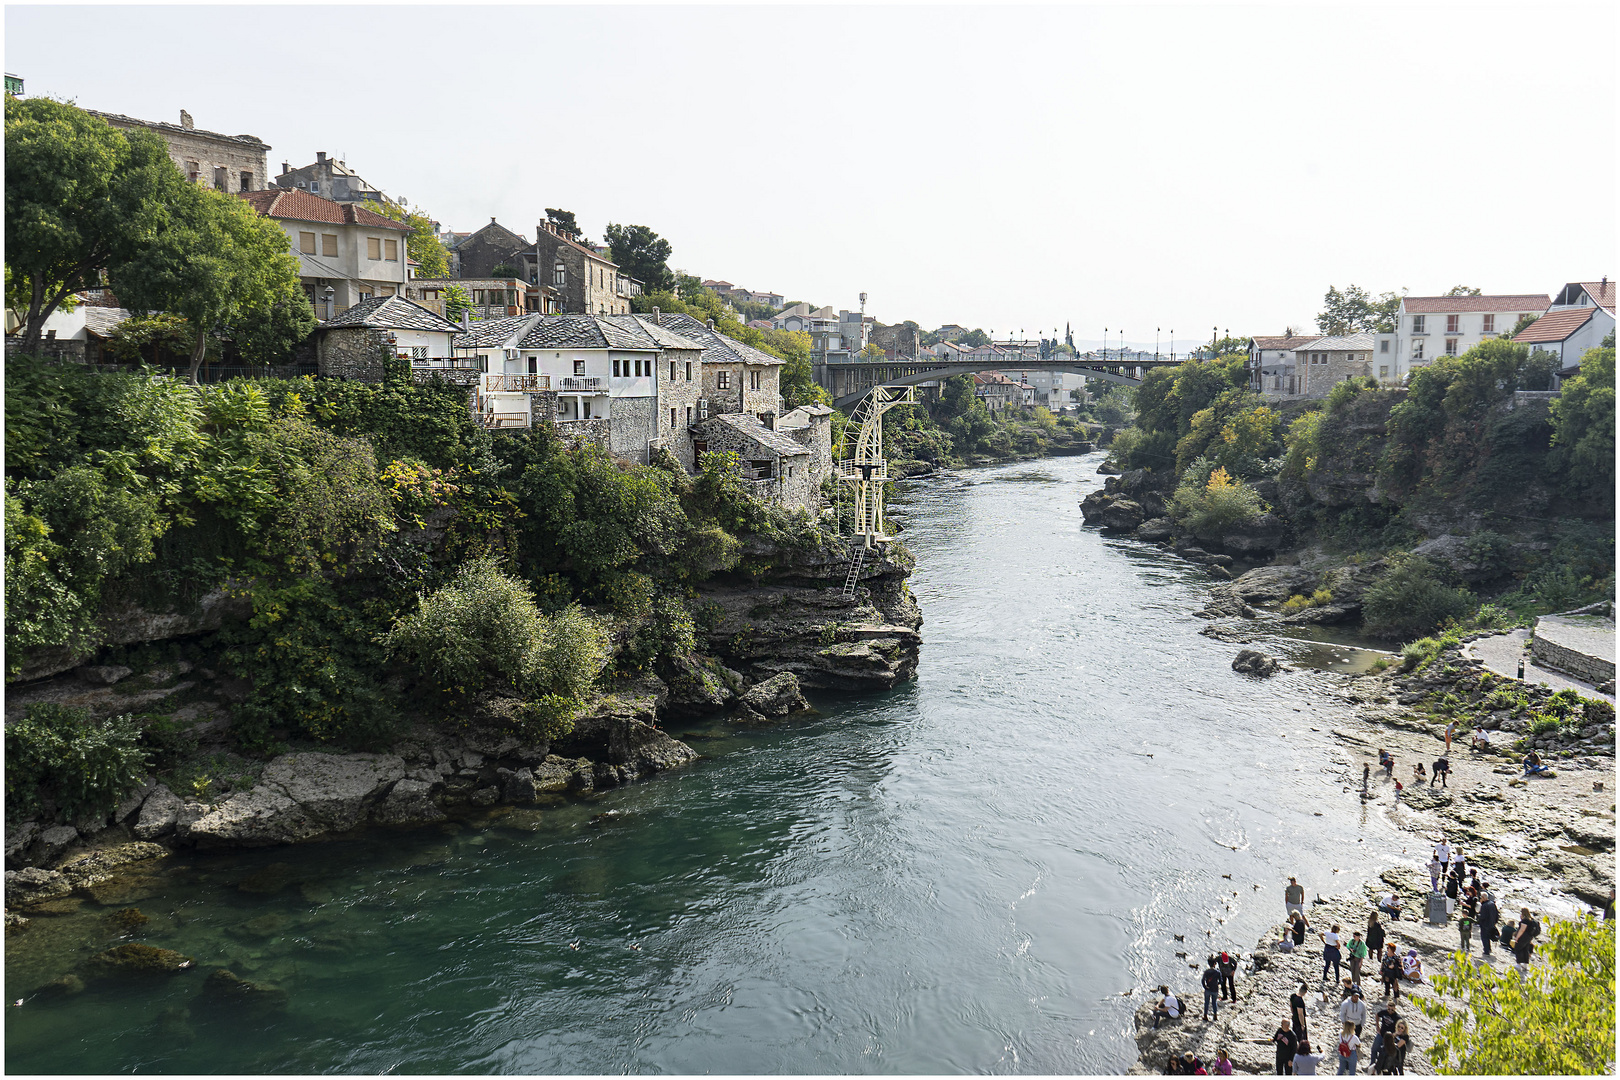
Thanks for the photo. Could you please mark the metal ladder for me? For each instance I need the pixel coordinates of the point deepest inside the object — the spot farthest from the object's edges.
(853, 578)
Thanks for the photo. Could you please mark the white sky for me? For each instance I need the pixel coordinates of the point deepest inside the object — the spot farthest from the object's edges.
(1008, 168)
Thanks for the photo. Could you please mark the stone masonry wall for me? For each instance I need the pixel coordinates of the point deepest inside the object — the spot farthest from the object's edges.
(351, 352)
(209, 151)
(631, 425)
(681, 395)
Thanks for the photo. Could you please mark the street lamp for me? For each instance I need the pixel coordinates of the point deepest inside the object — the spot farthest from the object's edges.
(1155, 343)
(1105, 344)
(327, 294)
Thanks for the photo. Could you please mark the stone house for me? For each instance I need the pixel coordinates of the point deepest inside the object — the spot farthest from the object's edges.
(587, 281)
(346, 253)
(1271, 365)
(898, 342)
(774, 466)
(330, 178)
(736, 377)
(1430, 326)
(348, 346)
(492, 298)
(79, 335)
(1580, 317)
(229, 163)
(1322, 363)
(477, 254)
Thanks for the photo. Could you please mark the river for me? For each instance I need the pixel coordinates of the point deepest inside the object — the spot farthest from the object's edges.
(961, 875)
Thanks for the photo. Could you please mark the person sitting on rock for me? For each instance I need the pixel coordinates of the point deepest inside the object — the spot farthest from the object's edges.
(1412, 967)
(1533, 764)
(1168, 1007)
(1480, 740)
(1418, 775)
(1223, 1064)
(1386, 761)
(1391, 906)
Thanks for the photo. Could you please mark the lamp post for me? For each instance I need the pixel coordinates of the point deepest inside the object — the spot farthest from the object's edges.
(1155, 343)
(1105, 345)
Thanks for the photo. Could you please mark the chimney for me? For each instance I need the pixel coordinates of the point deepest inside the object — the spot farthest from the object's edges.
(466, 323)
(769, 420)
(320, 157)
(711, 324)
(658, 318)
(185, 120)
(492, 219)
(286, 167)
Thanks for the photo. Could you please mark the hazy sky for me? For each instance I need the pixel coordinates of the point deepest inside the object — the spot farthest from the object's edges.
(1009, 168)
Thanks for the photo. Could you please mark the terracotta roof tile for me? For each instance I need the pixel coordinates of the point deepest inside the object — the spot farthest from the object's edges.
(1292, 341)
(1602, 292)
(302, 206)
(1453, 305)
(1555, 325)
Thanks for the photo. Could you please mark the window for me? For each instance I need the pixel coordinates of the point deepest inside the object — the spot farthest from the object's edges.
(1383, 371)
(220, 178)
(391, 250)
(247, 182)
(672, 371)
(689, 371)
(373, 247)
(579, 367)
(753, 380)
(559, 274)
(1489, 325)
(387, 290)
(193, 171)
(306, 243)
(616, 369)
(722, 379)
(329, 244)
(419, 352)
(1383, 346)
(1417, 324)
(1451, 323)
(1417, 351)
(672, 418)
(689, 416)
(1451, 346)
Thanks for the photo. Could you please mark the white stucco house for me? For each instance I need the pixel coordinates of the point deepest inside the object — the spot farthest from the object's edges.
(1431, 326)
(1579, 318)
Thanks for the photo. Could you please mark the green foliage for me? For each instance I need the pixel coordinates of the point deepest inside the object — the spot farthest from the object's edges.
(151, 338)
(58, 758)
(1355, 310)
(1583, 431)
(563, 219)
(1410, 599)
(642, 254)
(456, 301)
(327, 506)
(1302, 453)
(1301, 603)
(1220, 505)
(1558, 1019)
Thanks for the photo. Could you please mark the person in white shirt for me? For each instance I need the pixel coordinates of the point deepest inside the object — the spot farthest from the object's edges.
(1442, 851)
(1168, 1009)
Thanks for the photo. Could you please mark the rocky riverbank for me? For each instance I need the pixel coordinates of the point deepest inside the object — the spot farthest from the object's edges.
(792, 626)
(1545, 842)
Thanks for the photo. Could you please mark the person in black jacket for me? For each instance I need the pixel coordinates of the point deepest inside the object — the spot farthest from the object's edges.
(1389, 970)
(1374, 937)
(1227, 965)
(1212, 984)
(1296, 1009)
(1287, 1042)
(1488, 918)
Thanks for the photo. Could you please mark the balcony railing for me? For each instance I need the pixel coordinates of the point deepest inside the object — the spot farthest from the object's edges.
(570, 382)
(496, 383)
(506, 419)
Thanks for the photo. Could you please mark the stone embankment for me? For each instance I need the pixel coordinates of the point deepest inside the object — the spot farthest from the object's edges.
(1544, 842)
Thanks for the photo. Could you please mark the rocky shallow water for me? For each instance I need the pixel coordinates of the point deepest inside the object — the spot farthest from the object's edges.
(959, 874)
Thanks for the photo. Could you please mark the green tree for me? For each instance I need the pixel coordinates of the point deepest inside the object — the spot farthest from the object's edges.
(1583, 428)
(1355, 310)
(423, 244)
(219, 264)
(80, 197)
(151, 337)
(504, 270)
(563, 219)
(456, 301)
(1462, 290)
(1411, 600)
(1557, 1020)
(973, 339)
(642, 254)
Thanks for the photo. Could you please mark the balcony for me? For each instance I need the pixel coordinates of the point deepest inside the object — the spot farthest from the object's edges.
(496, 383)
(577, 383)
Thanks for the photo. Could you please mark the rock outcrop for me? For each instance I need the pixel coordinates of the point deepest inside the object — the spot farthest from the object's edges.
(1250, 662)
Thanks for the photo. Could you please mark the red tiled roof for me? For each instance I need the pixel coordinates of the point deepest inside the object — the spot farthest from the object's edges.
(1555, 325)
(1452, 305)
(1602, 292)
(302, 206)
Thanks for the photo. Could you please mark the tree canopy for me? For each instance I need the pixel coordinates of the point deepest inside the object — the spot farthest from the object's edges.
(423, 244)
(80, 197)
(1462, 290)
(642, 254)
(563, 219)
(1355, 310)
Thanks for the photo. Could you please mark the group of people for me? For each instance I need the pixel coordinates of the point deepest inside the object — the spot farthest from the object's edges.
(1390, 1043)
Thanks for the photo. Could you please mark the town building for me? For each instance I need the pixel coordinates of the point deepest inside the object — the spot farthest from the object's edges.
(229, 163)
(1322, 363)
(1271, 365)
(492, 298)
(998, 392)
(346, 253)
(331, 179)
(586, 281)
(1431, 326)
(736, 377)
(950, 332)
(80, 335)
(354, 343)
(477, 254)
(1579, 318)
(774, 466)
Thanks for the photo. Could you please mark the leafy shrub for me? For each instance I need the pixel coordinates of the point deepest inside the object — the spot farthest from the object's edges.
(1410, 599)
(1383, 663)
(1491, 551)
(1494, 617)
(1316, 599)
(1222, 504)
(1542, 725)
(58, 755)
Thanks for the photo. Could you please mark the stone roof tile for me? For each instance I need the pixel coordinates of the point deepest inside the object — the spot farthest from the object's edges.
(392, 313)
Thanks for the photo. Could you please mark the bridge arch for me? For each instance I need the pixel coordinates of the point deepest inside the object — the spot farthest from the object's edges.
(882, 375)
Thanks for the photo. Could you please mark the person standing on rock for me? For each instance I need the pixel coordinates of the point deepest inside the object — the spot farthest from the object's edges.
(1358, 953)
(1524, 940)
(1442, 770)
(1228, 965)
(1465, 927)
(1442, 851)
(1287, 1043)
(1305, 1062)
(1366, 777)
(1386, 1020)
(1436, 868)
(1294, 897)
(1389, 970)
(1374, 937)
(1298, 927)
(1451, 729)
(1330, 954)
(1352, 1012)
(1296, 1009)
(1488, 918)
(1608, 909)
(1349, 1054)
(1212, 985)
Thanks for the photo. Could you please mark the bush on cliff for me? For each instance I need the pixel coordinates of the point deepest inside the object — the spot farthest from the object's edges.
(59, 758)
(1410, 599)
(1583, 430)
(1215, 507)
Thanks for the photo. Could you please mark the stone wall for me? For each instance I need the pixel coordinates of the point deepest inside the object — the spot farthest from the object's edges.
(598, 431)
(209, 150)
(631, 424)
(681, 395)
(65, 349)
(897, 341)
(737, 395)
(352, 352)
(795, 482)
(1580, 645)
(1322, 378)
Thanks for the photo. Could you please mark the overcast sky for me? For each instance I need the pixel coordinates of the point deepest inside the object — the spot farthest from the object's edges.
(1124, 167)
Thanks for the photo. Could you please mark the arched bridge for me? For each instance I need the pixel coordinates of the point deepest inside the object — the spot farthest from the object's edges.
(848, 383)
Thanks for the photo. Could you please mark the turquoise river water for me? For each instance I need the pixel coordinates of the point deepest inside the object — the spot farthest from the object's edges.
(961, 875)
